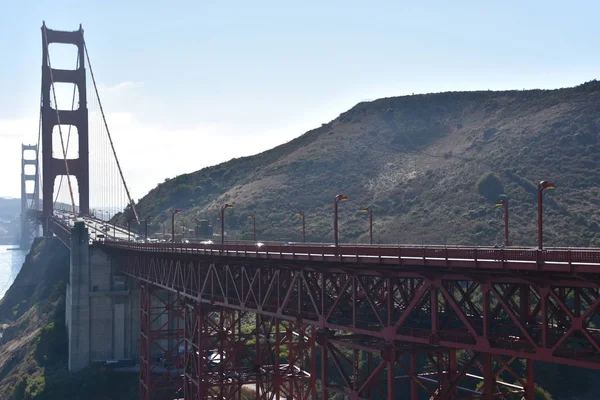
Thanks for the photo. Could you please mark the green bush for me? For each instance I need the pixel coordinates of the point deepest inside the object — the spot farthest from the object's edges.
(29, 388)
(490, 186)
(52, 344)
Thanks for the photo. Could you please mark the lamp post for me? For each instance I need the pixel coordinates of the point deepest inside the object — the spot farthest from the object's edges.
(147, 218)
(253, 218)
(541, 186)
(129, 227)
(337, 199)
(301, 213)
(368, 210)
(173, 224)
(504, 203)
(223, 208)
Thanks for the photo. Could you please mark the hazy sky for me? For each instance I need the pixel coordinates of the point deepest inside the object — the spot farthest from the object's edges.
(187, 84)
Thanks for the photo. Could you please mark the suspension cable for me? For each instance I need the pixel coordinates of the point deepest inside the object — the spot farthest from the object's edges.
(68, 134)
(62, 143)
(109, 136)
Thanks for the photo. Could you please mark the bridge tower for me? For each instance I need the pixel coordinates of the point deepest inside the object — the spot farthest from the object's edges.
(53, 167)
(30, 201)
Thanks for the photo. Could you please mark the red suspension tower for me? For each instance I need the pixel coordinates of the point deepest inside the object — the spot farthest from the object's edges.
(53, 167)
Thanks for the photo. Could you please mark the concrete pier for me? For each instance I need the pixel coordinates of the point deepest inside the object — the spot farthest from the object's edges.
(102, 306)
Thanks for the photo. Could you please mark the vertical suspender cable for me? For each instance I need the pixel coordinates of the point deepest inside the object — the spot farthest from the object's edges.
(108, 134)
(62, 143)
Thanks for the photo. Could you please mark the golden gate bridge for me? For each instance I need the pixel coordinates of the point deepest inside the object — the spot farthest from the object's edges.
(308, 321)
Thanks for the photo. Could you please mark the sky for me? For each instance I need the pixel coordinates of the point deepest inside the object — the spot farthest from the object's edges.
(188, 84)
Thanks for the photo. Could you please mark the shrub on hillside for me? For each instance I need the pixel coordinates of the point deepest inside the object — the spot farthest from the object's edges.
(490, 186)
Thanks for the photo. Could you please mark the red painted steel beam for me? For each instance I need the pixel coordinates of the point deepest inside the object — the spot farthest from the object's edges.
(571, 261)
(161, 342)
(228, 352)
(485, 318)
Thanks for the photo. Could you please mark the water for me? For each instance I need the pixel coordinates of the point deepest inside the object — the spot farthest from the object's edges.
(10, 265)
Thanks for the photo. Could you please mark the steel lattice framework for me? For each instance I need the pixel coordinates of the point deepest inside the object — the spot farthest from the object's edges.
(161, 343)
(388, 313)
(223, 359)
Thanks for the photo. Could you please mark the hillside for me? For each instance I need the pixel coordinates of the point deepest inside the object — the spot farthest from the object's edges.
(33, 345)
(416, 160)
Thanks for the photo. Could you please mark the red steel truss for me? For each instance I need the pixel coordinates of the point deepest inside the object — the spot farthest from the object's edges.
(230, 352)
(361, 367)
(434, 325)
(533, 317)
(161, 343)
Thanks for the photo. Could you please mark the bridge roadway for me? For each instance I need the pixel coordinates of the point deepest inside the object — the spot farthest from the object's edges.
(520, 302)
(540, 305)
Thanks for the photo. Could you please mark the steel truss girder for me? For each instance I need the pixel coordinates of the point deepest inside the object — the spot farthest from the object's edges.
(229, 352)
(358, 371)
(161, 342)
(537, 320)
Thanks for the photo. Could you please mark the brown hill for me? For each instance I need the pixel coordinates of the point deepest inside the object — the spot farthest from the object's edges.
(420, 163)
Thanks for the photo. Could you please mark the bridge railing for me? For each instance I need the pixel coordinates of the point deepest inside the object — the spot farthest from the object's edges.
(60, 230)
(493, 258)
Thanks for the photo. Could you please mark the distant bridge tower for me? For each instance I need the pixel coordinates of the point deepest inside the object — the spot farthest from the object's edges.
(53, 167)
(30, 199)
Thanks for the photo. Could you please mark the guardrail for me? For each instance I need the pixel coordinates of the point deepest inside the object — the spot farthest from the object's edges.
(582, 260)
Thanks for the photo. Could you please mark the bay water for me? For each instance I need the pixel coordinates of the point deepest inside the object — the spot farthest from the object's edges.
(11, 260)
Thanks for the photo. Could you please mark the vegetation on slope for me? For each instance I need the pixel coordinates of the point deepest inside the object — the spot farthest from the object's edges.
(33, 351)
(430, 166)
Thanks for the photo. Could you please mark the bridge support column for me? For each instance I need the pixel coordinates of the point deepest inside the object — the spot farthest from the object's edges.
(53, 167)
(530, 381)
(284, 351)
(161, 343)
(78, 299)
(235, 355)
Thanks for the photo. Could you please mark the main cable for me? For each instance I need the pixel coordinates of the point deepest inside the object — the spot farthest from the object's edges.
(108, 133)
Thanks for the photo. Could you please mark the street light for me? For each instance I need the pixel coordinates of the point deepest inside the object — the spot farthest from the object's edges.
(147, 218)
(253, 217)
(129, 227)
(173, 224)
(301, 213)
(223, 208)
(368, 210)
(541, 186)
(337, 199)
